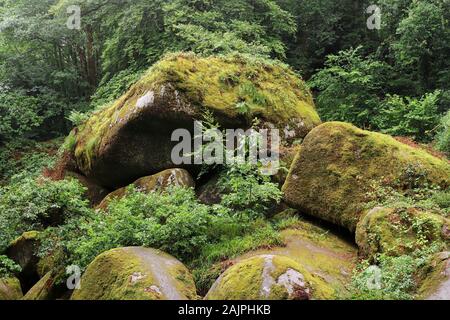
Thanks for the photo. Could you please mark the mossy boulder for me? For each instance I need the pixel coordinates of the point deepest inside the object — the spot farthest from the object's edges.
(269, 277)
(155, 183)
(23, 251)
(322, 249)
(400, 231)
(338, 163)
(132, 137)
(436, 283)
(10, 289)
(136, 273)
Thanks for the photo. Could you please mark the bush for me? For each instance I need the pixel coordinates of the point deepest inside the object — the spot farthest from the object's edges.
(248, 193)
(405, 116)
(443, 135)
(8, 267)
(349, 88)
(172, 221)
(33, 205)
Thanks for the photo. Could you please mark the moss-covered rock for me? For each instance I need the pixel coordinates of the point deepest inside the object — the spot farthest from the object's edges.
(436, 283)
(155, 183)
(10, 289)
(323, 251)
(337, 163)
(23, 251)
(400, 231)
(136, 273)
(273, 277)
(132, 137)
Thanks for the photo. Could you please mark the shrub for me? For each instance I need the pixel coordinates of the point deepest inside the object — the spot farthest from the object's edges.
(443, 136)
(8, 267)
(33, 205)
(405, 116)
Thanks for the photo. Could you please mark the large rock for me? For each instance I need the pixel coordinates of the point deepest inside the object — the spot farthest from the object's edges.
(321, 250)
(135, 273)
(155, 183)
(269, 277)
(10, 289)
(400, 231)
(132, 137)
(436, 283)
(23, 251)
(338, 163)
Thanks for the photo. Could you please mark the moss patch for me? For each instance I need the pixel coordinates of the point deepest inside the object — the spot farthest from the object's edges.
(10, 289)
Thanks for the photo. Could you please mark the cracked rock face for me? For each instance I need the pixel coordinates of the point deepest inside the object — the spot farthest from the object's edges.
(269, 277)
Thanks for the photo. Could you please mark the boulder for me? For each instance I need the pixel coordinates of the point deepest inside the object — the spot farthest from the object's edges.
(269, 277)
(135, 273)
(155, 183)
(23, 251)
(400, 231)
(436, 283)
(338, 163)
(10, 289)
(210, 193)
(132, 137)
(319, 247)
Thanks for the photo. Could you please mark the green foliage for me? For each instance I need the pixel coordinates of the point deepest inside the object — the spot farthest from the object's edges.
(30, 204)
(405, 116)
(110, 90)
(19, 114)
(247, 192)
(393, 278)
(352, 89)
(25, 158)
(349, 86)
(8, 267)
(443, 135)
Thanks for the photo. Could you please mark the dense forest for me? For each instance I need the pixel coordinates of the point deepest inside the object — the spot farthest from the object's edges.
(366, 186)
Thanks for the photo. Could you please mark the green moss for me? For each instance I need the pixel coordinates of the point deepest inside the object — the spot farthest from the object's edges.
(400, 231)
(26, 236)
(332, 173)
(10, 289)
(264, 276)
(269, 90)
